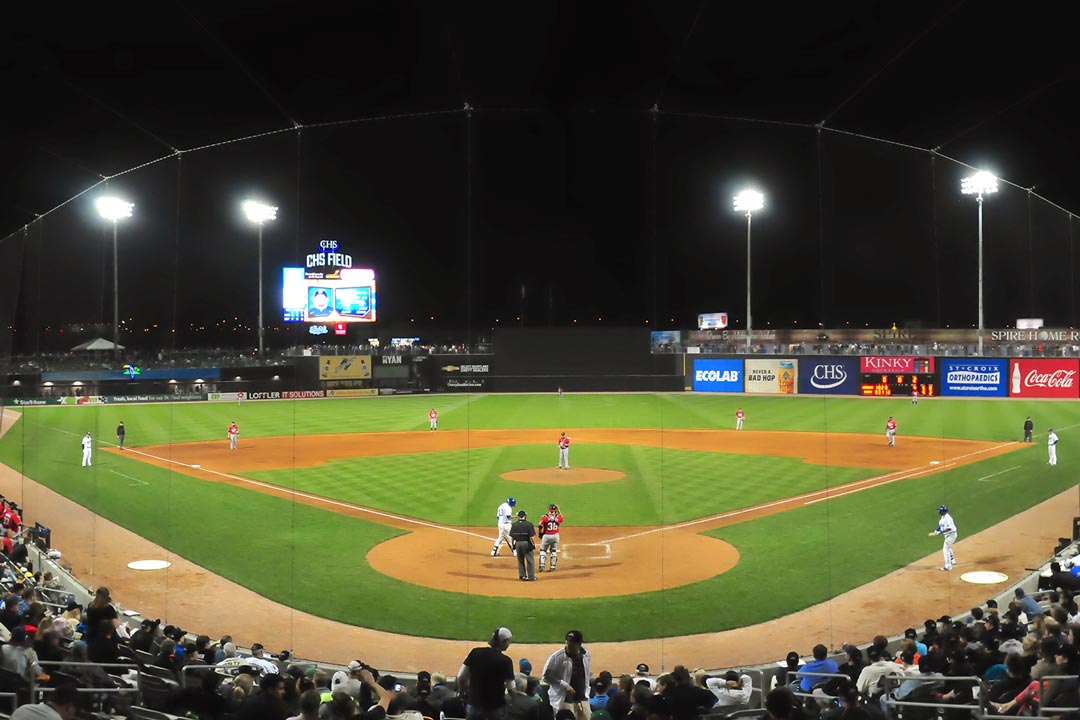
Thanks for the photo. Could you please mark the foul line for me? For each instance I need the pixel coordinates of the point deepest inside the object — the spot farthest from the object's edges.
(828, 494)
(140, 482)
(987, 477)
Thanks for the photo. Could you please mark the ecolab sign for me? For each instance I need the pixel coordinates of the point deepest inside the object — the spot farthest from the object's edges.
(828, 376)
(718, 376)
(1044, 378)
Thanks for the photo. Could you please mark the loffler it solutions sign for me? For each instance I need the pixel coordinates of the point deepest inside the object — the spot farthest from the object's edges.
(1044, 378)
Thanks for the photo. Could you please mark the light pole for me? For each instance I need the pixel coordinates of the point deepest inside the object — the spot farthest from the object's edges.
(748, 201)
(259, 213)
(115, 210)
(979, 184)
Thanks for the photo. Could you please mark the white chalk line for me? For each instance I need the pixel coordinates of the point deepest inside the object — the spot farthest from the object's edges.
(137, 480)
(828, 493)
(994, 475)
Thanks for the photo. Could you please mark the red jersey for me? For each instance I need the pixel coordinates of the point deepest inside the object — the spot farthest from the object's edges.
(549, 524)
(891, 425)
(564, 442)
(433, 415)
(739, 414)
(234, 429)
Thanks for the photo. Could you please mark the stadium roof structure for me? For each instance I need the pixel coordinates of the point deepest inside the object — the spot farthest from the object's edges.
(91, 92)
(97, 344)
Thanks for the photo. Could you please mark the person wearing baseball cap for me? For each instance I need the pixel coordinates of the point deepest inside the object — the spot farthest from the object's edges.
(486, 676)
(566, 673)
(522, 533)
(259, 660)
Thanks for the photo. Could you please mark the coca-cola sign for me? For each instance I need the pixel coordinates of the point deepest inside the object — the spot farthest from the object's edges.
(896, 364)
(1044, 378)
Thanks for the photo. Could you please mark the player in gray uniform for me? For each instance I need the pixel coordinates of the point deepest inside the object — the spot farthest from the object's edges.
(503, 517)
(947, 527)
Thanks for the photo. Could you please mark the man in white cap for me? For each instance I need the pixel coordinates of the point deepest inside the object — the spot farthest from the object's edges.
(486, 676)
(258, 659)
(566, 673)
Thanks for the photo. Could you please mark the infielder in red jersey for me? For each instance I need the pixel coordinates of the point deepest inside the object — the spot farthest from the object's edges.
(890, 431)
(433, 419)
(549, 536)
(739, 417)
(564, 453)
(234, 431)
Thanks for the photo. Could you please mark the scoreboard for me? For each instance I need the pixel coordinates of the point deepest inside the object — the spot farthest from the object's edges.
(900, 384)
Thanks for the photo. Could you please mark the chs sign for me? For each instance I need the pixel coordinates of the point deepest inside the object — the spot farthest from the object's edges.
(829, 376)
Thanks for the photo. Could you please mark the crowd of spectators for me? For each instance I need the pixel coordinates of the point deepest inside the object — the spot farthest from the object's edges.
(1014, 660)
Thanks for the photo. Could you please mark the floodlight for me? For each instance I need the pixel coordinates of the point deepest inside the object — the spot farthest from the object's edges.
(981, 183)
(749, 201)
(113, 208)
(259, 213)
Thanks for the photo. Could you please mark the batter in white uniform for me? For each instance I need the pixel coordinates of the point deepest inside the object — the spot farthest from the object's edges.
(947, 527)
(1051, 445)
(503, 517)
(87, 449)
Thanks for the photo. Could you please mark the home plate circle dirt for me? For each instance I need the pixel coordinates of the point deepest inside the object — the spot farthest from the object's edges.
(984, 577)
(593, 561)
(573, 476)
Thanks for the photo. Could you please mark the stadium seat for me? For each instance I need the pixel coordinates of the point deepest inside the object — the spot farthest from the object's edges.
(142, 713)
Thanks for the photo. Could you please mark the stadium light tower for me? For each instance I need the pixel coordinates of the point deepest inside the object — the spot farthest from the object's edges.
(749, 202)
(114, 209)
(259, 213)
(979, 184)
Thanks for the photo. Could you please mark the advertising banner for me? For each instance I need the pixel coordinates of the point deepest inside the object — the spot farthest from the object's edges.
(345, 367)
(829, 376)
(974, 377)
(896, 364)
(712, 321)
(778, 376)
(1043, 378)
(225, 396)
(352, 393)
(466, 384)
(718, 376)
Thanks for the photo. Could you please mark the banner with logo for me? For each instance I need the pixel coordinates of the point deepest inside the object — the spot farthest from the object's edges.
(1043, 378)
(974, 377)
(352, 393)
(724, 376)
(345, 367)
(829, 376)
(896, 364)
(778, 376)
(466, 384)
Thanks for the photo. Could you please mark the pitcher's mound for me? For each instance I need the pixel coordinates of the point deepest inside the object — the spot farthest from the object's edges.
(573, 476)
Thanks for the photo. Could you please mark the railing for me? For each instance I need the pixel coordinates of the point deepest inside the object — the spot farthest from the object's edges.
(889, 703)
(37, 690)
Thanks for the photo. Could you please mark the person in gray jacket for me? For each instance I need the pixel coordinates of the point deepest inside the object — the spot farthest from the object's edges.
(566, 673)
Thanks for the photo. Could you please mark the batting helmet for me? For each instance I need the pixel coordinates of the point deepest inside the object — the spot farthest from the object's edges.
(942, 509)
(511, 501)
(553, 506)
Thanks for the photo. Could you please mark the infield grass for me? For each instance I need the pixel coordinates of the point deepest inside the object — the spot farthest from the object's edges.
(274, 547)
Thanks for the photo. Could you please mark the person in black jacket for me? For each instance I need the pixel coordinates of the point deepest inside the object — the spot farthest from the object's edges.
(681, 699)
(1028, 428)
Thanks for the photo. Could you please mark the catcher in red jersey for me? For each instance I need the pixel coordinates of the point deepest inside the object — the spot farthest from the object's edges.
(549, 536)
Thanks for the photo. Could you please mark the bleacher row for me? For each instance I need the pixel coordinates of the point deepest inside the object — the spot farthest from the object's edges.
(965, 668)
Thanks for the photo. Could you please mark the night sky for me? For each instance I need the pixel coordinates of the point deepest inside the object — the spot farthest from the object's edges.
(587, 152)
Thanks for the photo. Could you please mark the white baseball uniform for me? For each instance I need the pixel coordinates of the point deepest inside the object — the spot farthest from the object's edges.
(87, 450)
(503, 518)
(947, 527)
(564, 453)
(1051, 446)
(739, 417)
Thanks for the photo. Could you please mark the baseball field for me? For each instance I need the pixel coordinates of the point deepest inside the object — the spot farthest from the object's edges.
(353, 510)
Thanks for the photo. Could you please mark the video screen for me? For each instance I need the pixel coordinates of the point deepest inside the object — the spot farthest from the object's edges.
(345, 295)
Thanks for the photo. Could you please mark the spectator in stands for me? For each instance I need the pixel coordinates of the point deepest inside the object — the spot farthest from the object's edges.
(166, 656)
(309, 706)
(1016, 679)
(6, 546)
(143, 638)
(681, 699)
(870, 682)
(781, 704)
(920, 647)
(94, 676)
(103, 644)
(600, 691)
(259, 660)
(351, 683)
(1045, 664)
(640, 701)
(47, 646)
(522, 705)
(10, 615)
(19, 657)
(1028, 604)
(567, 674)
(70, 620)
(27, 597)
(732, 691)
(486, 675)
(99, 610)
(440, 693)
(619, 703)
(219, 649)
(342, 706)
(806, 679)
(61, 703)
(417, 697)
(268, 703)
(34, 614)
(641, 673)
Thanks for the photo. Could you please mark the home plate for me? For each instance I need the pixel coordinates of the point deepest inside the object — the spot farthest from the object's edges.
(984, 577)
(149, 564)
(196, 466)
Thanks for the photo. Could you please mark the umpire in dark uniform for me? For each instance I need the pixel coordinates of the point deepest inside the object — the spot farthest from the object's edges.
(120, 433)
(1028, 427)
(522, 533)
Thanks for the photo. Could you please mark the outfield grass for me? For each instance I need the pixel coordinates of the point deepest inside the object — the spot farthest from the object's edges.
(283, 550)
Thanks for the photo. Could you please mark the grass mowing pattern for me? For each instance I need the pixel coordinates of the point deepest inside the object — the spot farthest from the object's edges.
(224, 534)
